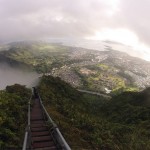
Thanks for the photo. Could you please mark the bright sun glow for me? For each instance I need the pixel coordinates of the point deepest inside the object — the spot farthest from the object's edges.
(143, 49)
(125, 37)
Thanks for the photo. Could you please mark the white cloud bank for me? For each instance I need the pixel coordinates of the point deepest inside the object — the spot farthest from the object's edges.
(125, 21)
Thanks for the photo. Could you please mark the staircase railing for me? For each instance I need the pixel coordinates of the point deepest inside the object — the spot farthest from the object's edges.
(27, 132)
(59, 137)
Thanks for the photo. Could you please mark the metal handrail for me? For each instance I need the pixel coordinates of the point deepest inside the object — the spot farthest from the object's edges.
(63, 142)
(49, 118)
(27, 128)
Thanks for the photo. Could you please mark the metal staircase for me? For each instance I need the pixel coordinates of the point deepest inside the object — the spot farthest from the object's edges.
(42, 133)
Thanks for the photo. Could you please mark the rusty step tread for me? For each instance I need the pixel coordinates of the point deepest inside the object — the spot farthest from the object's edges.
(46, 148)
(39, 129)
(42, 138)
(43, 144)
(37, 122)
(43, 133)
(37, 125)
(36, 112)
(37, 119)
(36, 108)
(36, 116)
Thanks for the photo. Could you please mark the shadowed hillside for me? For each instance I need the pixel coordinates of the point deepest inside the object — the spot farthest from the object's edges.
(13, 116)
(91, 122)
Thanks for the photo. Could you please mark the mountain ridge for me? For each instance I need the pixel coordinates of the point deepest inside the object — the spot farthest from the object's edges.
(82, 68)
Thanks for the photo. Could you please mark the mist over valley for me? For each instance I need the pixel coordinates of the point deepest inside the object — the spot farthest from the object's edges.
(10, 75)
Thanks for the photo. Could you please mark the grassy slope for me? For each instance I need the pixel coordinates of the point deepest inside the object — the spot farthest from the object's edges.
(13, 116)
(38, 56)
(105, 76)
(89, 122)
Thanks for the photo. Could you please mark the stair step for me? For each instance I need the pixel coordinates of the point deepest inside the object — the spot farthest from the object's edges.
(36, 112)
(37, 125)
(36, 119)
(43, 144)
(36, 109)
(40, 135)
(42, 138)
(43, 133)
(37, 122)
(38, 129)
(37, 116)
(46, 148)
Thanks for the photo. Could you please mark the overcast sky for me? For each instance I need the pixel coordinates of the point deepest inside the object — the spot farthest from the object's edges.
(124, 21)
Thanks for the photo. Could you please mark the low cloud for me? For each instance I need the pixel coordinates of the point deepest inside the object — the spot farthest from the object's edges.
(38, 19)
(10, 76)
(134, 15)
(32, 19)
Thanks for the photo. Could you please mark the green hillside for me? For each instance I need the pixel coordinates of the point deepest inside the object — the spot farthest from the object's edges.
(91, 122)
(38, 56)
(82, 68)
(13, 116)
(86, 121)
